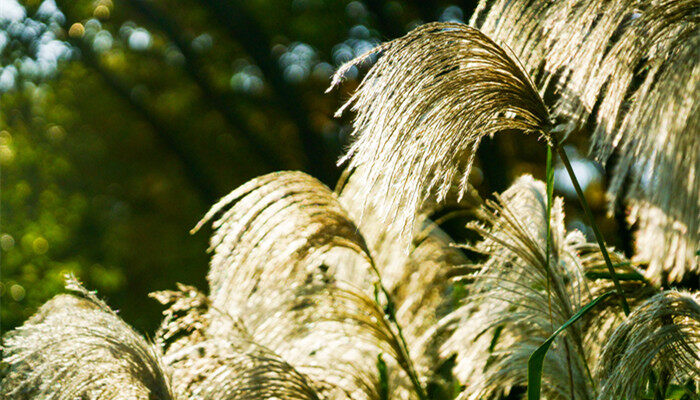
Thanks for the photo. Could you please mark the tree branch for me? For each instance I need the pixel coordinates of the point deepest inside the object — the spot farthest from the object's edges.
(237, 20)
(219, 101)
(193, 170)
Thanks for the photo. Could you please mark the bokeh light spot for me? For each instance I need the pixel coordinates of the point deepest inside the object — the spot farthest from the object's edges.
(40, 245)
(76, 30)
(17, 292)
(7, 242)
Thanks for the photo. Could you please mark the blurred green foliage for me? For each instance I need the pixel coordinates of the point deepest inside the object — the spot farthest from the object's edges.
(122, 121)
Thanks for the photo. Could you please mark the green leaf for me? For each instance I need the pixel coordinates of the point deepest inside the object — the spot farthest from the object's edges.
(494, 339)
(675, 392)
(550, 177)
(548, 217)
(550, 194)
(383, 378)
(624, 276)
(536, 361)
(680, 392)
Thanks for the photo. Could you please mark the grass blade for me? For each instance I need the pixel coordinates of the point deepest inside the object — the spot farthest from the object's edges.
(548, 221)
(536, 361)
(383, 378)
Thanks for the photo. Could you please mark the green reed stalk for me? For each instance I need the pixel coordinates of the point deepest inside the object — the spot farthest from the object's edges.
(596, 232)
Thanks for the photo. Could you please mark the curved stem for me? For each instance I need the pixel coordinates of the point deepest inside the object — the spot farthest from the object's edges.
(594, 226)
(410, 369)
(548, 222)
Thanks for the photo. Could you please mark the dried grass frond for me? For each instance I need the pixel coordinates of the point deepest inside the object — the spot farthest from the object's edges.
(310, 347)
(388, 242)
(257, 375)
(662, 336)
(278, 231)
(186, 319)
(509, 313)
(283, 241)
(424, 107)
(425, 295)
(222, 363)
(221, 368)
(661, 240)
(350, 327)
(77, 347)
(417, 280)
(633, 65)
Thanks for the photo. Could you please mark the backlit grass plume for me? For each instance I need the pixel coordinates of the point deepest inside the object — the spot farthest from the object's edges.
(518, 299)
(631, 68)
(417, 279)
(223, 363)
(291, 265)
(279, 230)
(660, 338)
(360, 293)
(423, 108)
(75, 346)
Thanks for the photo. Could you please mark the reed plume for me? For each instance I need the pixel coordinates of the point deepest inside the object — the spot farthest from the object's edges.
(416, 130)
(292, 266)
(75, 346)
(221, 364)
(628, 72)
(661, 337)
(517, 300)
(316, 294)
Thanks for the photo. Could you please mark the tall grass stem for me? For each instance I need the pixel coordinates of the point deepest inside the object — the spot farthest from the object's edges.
(594, 226)
(411, 370)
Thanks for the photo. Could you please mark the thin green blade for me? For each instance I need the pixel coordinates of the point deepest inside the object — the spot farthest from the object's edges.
(536, 361)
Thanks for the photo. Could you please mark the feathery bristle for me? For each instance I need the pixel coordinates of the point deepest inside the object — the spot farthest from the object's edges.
(222, 363)
(185, 320)
(509, 313)
(662, 335)
(77, 347)
(634, 66)
(280, 229)
(423, 109)
(284, 250)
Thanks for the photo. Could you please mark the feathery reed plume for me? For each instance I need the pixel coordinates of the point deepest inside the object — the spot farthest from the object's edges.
(423, 109)
(607, 316)
(386, 242)
(185, 320)
(630, 67)
(244, 374)
(77, 347)
(222, 365)
(280, 229)
(662, 336)
(417, 280)
(423, 297)
(288, 262)
(509, 312)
